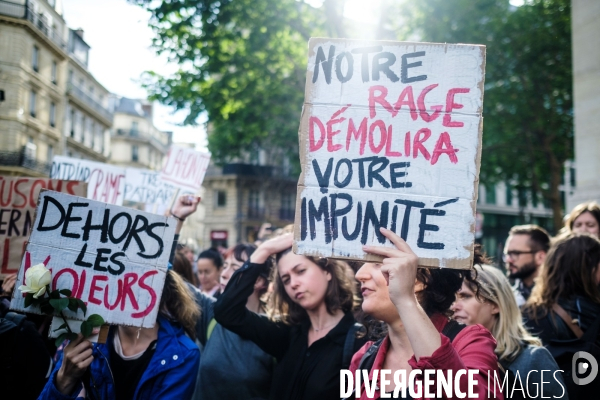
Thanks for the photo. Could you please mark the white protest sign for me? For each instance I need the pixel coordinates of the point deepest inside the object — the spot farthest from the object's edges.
(145, 186)
(185, 168)
(390, 137)
(113, 258)
(106, 183)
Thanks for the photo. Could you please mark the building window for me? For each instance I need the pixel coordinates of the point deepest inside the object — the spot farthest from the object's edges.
(83, 124)
(50, 153)
(54, 67)
(134, 153)
(522, 193)
(72, 127)
(52, 114)
(254, 210)
(93, 146)
(32, 96)
(509, 195)
(221, 198)
(35, 59)
(70, 76)
(287, 206)
(490, 194)
(134, 128)
(253, 200)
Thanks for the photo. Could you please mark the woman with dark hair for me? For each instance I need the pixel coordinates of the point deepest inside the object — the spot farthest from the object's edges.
(312, 330)
(209, 268)
(135, 363)
(585, 217)
(570, 278)
(231, 366)
(415, 303)
(565, 302)
(183, 267)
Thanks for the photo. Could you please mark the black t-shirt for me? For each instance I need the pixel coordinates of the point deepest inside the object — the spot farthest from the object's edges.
(302, 372)
(127, 373)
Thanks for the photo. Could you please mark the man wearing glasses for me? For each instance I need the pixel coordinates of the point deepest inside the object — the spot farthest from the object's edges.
(524, 253)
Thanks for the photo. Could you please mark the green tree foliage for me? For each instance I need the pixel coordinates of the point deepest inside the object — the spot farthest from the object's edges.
(242, 62)
(528, 109)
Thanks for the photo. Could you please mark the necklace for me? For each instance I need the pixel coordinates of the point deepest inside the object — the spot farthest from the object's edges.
(323, 327)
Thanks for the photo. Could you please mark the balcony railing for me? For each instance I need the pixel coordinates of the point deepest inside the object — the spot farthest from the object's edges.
(287, 214)
(87, 99)
(22, 159)
(255, 213)
(134, 133)
(23, 11)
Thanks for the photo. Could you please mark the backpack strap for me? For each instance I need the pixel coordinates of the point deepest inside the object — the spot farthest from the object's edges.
(211, 328)
(452, 329)
(368, 359)
(349, 344)
(568, 320)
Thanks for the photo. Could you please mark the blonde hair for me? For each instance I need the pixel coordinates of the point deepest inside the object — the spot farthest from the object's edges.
(509, 331)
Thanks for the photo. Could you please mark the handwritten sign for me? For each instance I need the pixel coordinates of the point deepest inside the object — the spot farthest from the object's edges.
(185, 168)
(113, 258)
(145, 186)
(106, 183)
(390, 136)
(18, 200)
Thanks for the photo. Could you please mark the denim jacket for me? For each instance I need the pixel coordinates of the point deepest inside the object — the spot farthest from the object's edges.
(174, 361)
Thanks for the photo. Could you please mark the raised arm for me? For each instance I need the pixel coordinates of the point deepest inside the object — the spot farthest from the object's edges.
(184, 207)
(400, 269)
(230, 308)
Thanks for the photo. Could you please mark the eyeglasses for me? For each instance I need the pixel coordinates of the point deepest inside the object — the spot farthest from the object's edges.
(515, 254)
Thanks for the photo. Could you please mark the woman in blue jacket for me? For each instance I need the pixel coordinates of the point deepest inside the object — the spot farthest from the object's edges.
(135, 363)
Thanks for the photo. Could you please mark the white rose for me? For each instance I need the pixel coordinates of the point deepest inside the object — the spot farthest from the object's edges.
(36, 279)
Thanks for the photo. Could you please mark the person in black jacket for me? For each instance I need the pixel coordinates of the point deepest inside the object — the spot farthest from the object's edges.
(565, 306)
(313, 334)
(570, 279)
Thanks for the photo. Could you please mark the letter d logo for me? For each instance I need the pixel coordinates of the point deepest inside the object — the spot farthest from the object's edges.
(583, 367)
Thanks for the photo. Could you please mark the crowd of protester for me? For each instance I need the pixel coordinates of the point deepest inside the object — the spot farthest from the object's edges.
(257, 321)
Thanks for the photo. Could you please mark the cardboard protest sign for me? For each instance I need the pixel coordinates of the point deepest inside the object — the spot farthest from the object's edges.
(185, 168)
(106, 183)
(18, 200)
(113, 258)
(390, 136)
(145, 186)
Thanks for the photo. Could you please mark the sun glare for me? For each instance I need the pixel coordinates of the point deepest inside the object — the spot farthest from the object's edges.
(363, 11)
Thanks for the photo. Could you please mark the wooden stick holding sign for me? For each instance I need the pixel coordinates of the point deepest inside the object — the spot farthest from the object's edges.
(390, 137)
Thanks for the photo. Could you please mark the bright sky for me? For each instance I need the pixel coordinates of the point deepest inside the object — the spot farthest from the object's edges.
(120, 40)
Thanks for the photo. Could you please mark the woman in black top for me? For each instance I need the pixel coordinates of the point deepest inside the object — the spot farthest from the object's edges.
(570, 278)
(313, 301)
(566, 299)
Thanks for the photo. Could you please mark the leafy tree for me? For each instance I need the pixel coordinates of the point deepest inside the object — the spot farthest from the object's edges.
(242, 62)
(528, 118)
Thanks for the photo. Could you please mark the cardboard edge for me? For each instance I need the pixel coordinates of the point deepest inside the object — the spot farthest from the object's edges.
(313, 42)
